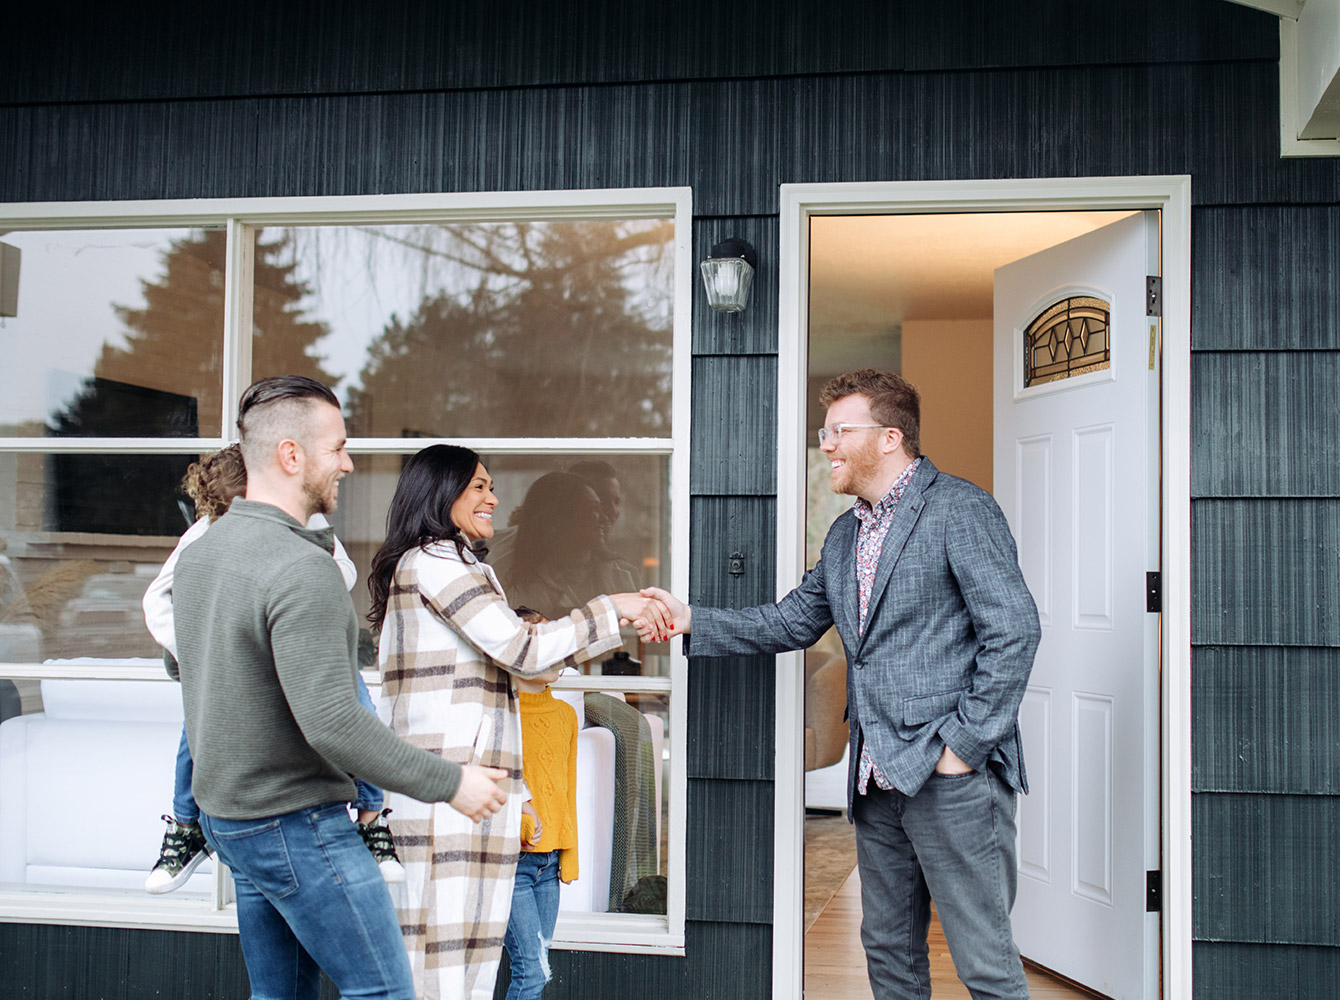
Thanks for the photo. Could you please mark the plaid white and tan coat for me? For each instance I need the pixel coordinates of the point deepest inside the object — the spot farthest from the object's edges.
(448, 645)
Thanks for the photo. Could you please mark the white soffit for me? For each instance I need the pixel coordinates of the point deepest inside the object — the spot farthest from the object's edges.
(1309, 74)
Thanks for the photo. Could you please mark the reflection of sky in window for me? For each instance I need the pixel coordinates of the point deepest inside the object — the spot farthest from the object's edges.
(359, 277)
(68, 285)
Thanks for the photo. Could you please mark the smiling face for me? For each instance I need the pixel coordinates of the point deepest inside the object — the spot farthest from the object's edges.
(857, 460)
(325, 460)
(473, 510)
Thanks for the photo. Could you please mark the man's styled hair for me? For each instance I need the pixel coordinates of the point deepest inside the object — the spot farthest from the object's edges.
(894, 401)
(273, 409)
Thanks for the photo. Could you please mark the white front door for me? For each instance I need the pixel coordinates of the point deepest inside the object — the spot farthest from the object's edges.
(1076, 472)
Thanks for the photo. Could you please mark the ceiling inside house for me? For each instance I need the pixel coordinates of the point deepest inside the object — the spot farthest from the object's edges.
(870, 273)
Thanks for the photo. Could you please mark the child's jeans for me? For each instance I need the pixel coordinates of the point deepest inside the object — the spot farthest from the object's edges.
(530, 930)
(186, 812)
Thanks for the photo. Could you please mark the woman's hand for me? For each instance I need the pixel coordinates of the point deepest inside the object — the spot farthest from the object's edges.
(647, 615)
(678, 615)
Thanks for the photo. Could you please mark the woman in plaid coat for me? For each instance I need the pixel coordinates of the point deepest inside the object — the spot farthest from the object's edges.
(448, 644)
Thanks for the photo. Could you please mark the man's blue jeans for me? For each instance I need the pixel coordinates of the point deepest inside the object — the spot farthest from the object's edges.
(183, 800)
(530, 929)
(952, 842)
(311, 897)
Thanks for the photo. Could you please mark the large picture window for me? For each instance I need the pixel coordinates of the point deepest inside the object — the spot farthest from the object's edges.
(547, 331)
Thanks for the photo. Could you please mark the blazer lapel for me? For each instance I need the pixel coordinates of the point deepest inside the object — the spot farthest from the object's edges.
(904, 520)
(846, 601)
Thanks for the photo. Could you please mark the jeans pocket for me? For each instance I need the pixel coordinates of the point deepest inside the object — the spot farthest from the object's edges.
(261, 854)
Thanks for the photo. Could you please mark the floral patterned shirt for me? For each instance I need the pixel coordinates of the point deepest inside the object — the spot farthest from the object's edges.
(874, 526)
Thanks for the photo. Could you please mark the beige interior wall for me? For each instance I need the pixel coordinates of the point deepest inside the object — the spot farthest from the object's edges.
(950, 362)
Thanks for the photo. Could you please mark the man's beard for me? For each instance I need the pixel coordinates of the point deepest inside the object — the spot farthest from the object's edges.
(858, 469)
(320, 499)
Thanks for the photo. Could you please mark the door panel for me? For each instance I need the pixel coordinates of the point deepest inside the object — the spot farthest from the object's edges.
(1076, 475)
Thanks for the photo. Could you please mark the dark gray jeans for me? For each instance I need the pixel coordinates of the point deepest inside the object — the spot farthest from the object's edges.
(952, 842)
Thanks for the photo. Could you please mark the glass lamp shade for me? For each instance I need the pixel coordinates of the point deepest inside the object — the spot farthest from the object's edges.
(728, 280)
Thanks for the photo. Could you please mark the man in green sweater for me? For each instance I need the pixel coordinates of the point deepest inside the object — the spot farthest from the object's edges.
(266, 641)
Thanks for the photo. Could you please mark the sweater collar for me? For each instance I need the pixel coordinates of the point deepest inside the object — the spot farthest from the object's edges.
(537, 700)
(323, 537)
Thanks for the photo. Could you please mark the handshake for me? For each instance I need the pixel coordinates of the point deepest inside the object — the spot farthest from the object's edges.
(655, 613)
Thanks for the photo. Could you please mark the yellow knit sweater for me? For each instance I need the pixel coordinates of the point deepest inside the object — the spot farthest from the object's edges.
(549, 763)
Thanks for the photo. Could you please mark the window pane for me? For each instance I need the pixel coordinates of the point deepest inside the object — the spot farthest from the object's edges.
(544, 329)
(81, 537)
(119, 333)
(1067, 339)
(100, 755)
(561, 537)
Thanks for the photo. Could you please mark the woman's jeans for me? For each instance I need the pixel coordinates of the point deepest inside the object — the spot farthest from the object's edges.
(311, 897)
(187, 812)
(530, 929)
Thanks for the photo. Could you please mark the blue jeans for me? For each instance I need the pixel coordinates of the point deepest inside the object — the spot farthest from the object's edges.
(952, 842)
(311, 897)
(530, 929)
(183, 801)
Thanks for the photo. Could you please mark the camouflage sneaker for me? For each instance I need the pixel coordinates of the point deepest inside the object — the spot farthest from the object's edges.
(183, 849)
(382, 845)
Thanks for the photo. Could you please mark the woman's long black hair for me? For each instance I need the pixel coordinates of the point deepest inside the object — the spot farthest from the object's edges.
(420, 514)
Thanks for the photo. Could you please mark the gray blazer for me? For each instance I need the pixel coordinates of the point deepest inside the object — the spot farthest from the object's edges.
(949, 638)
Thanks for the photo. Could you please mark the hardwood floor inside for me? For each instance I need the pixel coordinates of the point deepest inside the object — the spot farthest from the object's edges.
(835, 962)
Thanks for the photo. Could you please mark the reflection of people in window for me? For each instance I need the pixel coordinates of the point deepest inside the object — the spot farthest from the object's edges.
(558, 559)
(600, 475)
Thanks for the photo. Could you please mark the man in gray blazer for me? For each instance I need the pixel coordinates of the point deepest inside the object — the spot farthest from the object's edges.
(923, 583)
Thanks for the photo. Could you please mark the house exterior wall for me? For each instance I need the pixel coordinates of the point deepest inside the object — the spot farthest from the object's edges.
(340, 98)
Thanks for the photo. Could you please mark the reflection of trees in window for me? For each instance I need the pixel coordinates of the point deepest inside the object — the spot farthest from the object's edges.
(534, 330)
(175, 343)
(166, 382)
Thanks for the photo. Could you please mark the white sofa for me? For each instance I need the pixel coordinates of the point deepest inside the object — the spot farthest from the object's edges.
(83, 785)
(595, 813)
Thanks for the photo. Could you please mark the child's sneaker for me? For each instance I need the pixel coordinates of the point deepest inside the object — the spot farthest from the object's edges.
(382, 845)
(183, 849)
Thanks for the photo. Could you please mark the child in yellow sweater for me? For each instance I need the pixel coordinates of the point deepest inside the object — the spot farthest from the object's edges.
(548, 828)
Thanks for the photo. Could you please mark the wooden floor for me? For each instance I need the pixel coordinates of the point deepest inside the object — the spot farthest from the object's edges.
(835, 963)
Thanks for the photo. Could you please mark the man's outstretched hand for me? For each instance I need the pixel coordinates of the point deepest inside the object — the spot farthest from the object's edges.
(678, 615)
(479, 795)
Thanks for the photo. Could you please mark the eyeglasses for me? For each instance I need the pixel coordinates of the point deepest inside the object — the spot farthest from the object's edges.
(837, 430)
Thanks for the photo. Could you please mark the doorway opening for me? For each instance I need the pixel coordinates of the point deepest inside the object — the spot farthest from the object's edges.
(886, 286)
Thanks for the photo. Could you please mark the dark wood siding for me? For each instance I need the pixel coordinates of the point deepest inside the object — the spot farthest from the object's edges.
(92, 963)
(343, 98)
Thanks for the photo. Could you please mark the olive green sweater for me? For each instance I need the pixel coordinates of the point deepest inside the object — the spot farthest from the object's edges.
(266, 644)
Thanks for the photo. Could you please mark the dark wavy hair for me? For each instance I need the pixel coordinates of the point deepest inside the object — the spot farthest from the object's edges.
(545, 522)
(420, 514)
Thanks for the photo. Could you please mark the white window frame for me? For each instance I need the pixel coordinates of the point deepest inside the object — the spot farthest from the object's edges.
(241, 217)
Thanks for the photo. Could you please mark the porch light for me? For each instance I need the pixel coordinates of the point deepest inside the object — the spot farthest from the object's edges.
(728, 275)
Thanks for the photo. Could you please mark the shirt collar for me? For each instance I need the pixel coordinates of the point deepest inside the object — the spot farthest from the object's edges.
(889, 500)
(241, 507)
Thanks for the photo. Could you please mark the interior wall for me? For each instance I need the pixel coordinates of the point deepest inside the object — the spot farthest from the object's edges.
(950, 362)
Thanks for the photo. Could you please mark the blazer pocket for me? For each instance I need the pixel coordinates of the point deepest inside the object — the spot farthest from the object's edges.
(917, 712)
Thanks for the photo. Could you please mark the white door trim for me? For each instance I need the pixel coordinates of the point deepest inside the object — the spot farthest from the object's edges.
(1172, 196)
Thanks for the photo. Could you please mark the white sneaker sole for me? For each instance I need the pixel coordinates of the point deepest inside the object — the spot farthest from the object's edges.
(160, 882)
